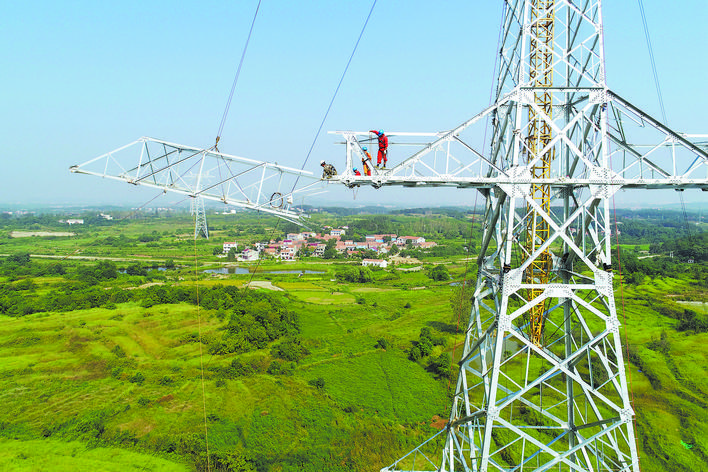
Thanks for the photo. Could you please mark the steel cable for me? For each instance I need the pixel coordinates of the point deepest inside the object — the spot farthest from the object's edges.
(336, 91)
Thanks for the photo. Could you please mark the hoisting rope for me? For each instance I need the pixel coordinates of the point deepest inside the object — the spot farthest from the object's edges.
(238, 73)
(331, 102)
(201, 356)
(653, 63)
(196, 261)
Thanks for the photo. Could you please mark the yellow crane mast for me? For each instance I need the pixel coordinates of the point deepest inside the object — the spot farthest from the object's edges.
(539, 136)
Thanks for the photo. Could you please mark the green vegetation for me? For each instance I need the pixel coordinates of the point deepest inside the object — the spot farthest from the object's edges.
(345, 369)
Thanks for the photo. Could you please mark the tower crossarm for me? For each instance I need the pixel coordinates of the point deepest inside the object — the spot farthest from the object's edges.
(641, 152)
(205, 174)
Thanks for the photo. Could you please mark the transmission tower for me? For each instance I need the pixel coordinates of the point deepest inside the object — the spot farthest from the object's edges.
(200, 223)
(541, 382)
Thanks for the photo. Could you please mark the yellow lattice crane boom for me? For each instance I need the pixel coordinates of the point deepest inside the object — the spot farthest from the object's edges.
(539, 137)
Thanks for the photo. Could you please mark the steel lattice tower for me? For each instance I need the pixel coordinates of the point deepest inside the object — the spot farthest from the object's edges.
(200, 223)
(542, 382)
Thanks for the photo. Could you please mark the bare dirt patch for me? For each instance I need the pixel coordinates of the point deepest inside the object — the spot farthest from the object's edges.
(41, 234)
(437, 422)
(264, 284)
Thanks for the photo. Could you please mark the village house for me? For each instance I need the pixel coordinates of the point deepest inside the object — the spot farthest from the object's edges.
(415, 240)
(288, 248)
(250, 255)
(227, 246)
(287, 254)
(319, 250)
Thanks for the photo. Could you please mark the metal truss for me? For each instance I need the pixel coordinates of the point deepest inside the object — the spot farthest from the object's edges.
(200, 223)
(205, 174)
(554, 397)
(642, 153)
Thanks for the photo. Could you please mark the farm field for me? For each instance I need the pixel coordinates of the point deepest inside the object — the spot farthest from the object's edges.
(148, 368)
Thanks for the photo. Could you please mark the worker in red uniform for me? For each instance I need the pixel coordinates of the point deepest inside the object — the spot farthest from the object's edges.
(356, 172)
(383, 147)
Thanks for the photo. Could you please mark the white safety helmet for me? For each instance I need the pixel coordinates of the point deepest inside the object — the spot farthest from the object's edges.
(322, 163)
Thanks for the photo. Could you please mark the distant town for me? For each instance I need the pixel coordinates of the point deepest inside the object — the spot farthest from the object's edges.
(331, 241)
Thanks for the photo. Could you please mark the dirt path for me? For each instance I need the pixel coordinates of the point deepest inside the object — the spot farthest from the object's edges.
(265, 284)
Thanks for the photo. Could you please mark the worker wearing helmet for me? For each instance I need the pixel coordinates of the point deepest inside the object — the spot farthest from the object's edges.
(356, 171)
(365, 166)
(328, 170)
(366, 161)
(383, 147)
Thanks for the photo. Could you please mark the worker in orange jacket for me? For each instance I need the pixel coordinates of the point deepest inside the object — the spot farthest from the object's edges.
(367, 169)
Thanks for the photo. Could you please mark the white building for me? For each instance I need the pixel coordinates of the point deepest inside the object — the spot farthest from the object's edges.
(287, 254)
(375, 262)
(228, 246)
(319, 250)
(250, 255)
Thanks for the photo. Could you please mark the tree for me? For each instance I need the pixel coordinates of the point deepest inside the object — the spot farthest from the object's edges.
(106, 270)
(441, 365)
(330, 252)
(22, 258)
(217, 250)
(136, 269)
(231, 255)
(439, 273)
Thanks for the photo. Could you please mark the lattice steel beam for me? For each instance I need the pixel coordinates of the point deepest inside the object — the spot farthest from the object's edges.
(205, 173)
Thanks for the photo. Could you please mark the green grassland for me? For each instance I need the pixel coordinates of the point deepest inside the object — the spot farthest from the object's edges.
(125, 385)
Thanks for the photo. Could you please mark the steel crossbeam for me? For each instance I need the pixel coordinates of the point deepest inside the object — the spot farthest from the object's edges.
(205, 174)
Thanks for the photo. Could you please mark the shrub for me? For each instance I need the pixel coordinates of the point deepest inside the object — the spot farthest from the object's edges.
(414, 354)
(290, 350)
(118, 351)
(166, 380)
(441, 365)
(280, 368)
(439, 273)
(317, 383)
(137, 378)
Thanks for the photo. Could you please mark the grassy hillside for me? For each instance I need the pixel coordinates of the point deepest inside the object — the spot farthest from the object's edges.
(118, 382)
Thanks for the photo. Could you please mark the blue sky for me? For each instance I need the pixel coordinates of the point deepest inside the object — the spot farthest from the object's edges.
(80, 78)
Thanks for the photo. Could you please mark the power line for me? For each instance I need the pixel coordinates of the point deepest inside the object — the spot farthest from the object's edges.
(331, 102)
(238, 73)
(661, 101)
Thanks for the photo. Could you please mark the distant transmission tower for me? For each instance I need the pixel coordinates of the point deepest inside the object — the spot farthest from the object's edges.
(200, 223)
(541, 382)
